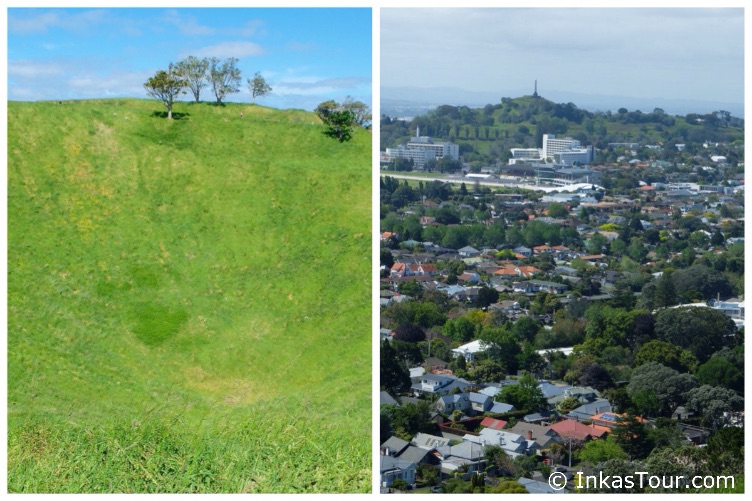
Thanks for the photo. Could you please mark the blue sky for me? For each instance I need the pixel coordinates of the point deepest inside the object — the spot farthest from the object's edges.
(656, 55)
(84, 53)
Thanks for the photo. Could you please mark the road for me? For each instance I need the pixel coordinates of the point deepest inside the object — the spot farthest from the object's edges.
(502, 183)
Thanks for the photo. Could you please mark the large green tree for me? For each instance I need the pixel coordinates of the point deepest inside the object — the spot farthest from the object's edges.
(524, 396)
(712, 402)
(664, 386)
(667, 354)
(703, 331)
(599, 451)
(166, 86)
(394, 376)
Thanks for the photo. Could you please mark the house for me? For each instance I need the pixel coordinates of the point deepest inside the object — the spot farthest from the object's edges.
(387, 235)
(496, 424)
(393, 446)
(590, 409)
(513, 444)
(419, 455)
(522, 250)
(469, 277)
(583, 394)
(467, 457)
(534, 286)
(538, 487)
(470, 349)
(541, 417)
(416, 373)
(468, 251)
(610, 419)
(551, 390)
(393, 468)
(427, 441)
(544, 436)
(508, 306)
(501, 408)
(569, 428)
(480, 403)
(438, 384)
(386, 399)
(457, 402)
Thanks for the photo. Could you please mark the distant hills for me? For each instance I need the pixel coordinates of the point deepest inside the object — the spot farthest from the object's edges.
(412, 101)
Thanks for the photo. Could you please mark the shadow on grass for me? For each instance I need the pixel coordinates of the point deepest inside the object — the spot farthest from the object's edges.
(176, 115)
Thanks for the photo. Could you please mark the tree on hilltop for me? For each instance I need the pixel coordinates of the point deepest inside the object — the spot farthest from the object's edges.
(258, 86)
(340, 118)
(166, 86)
(224, 77)
(193, 71)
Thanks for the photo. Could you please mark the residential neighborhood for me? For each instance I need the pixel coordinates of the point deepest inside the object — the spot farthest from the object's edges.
(533, 322)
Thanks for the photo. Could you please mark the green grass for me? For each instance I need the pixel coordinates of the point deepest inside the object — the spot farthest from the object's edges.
(192, 296)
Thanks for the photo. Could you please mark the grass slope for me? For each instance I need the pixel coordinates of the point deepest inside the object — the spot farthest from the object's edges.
(189, 300)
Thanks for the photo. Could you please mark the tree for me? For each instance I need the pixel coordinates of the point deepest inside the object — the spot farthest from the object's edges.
(706, 281)
(486, 296)
(360, 111)
(596, 243)
(557, 210)
(631, 435)
(702, 331)
(193, 70)
(459, 329)
(665, 291)
(485, 371)
(599, 451)
(525, 329)
(596, 376)
(720, 372)
(524, 396)
(568, 404)
(410, 333)
(165, 86)
(258, 86)
(667, 354)
(339, 125)
(394, 376)
(712, 402)
(224, 77)
(324, 109)
(665, 387)
(498, 458)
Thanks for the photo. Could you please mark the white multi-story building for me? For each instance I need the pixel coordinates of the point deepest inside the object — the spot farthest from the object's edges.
(565, 151)
(552, 145)
(525, 154)
(421, 149)
(579, 155)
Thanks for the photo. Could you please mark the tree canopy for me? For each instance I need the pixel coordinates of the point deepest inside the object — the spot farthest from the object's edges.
(193, 71)
(166, 86)
(258, 86)
(224, 77)
(703, 331)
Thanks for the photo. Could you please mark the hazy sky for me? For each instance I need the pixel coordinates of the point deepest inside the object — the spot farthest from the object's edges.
(99, 53)
(684, 53)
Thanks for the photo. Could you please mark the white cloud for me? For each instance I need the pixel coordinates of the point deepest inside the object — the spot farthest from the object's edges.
(41, 22)
(309, 86)
(254, 27)
(188, 25)
(228, 49)
(31, 70)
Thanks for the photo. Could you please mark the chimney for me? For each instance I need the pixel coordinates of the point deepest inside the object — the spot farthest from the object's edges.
(529, 434)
